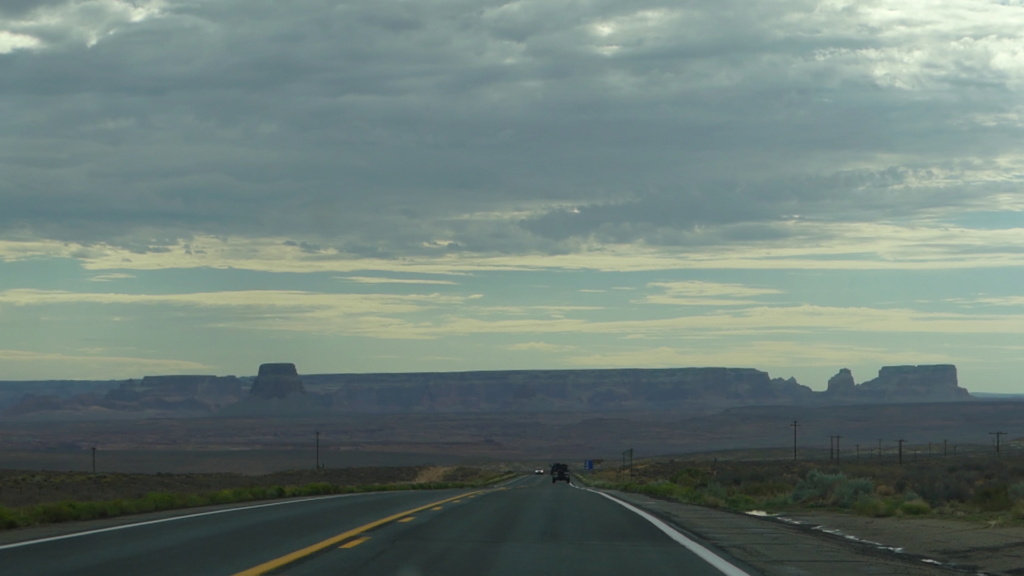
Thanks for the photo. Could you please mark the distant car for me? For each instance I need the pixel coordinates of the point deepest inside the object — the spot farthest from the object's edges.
(539, 471)
(559, 471)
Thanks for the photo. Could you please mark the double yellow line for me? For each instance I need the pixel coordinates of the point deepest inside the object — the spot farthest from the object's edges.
(310, 550)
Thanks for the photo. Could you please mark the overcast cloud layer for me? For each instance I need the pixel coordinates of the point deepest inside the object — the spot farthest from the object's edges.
(783, 184)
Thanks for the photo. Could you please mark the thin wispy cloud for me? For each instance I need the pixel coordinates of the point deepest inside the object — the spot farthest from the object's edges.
(381, 280)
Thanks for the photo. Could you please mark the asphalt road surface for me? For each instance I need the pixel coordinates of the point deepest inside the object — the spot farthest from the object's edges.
(526, 526)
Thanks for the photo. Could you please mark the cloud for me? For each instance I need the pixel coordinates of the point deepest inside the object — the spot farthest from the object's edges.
(378, 280)
(11, 41)
(763, 320)
(25, 364)
(111, 277)
(927, 245)
(780, 357)
(77, 23)
(384, 130)
(264, 299)
(545, 347)
(695, 293)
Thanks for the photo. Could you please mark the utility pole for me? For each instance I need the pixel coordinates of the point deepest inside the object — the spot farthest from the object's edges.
(900, 457)
(833, 448)
(794, 425)
(93, 459)
(879, 449)
(317, 449)
(997, 435)
(858, 451)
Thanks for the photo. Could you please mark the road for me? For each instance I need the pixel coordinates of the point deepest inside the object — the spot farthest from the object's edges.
(526, 526)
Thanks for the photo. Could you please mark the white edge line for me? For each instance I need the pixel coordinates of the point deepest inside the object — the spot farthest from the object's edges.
(707, 555)
(171, 519)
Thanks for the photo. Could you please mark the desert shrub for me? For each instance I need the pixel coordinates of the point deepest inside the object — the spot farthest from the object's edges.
(257, 493)
(9, 519)
(915, 507)
(666, 490)
(848, 492)
(692, 477)
(220, 497)
(1016, 491)
(739, 475)
(777, 502)
(741, 502)
(714, 494)
(817, 487)
(992, 498)
(53, 512)
(118, 508)
(944, 488)
(88, 510)
(765, 489)
(161, 501)
(876, 507)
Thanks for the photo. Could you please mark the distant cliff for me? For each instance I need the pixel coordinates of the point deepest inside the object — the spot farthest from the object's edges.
(686, 389)
(928, 383)
(180, 395)
(280, 390)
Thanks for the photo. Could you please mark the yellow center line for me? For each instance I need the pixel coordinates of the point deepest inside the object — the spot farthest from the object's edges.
(408, 519)
(354, 543)
(334, 540)
(435, 508)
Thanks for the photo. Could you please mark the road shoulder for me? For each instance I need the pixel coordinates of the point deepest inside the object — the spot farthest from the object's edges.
(811, 545)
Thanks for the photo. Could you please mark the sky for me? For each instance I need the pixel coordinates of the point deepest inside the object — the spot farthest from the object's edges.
(202, 186)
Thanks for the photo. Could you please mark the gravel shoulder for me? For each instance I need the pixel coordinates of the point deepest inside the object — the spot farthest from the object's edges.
(972, 546)
(815, 543)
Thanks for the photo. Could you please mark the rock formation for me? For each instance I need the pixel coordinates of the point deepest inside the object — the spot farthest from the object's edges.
(680, 389)
(935, 383)
(842, 383)
(279, 391)
(277, 381)
(929, 383)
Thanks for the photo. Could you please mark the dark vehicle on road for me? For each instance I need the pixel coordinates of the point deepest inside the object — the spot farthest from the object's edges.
(559, 472)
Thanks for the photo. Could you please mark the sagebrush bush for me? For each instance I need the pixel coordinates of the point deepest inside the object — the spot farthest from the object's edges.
(9, 519)
(992, 498)
(915, 507)
(817, 487)
(848, 492)
(1016, 491)
(871, 505)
